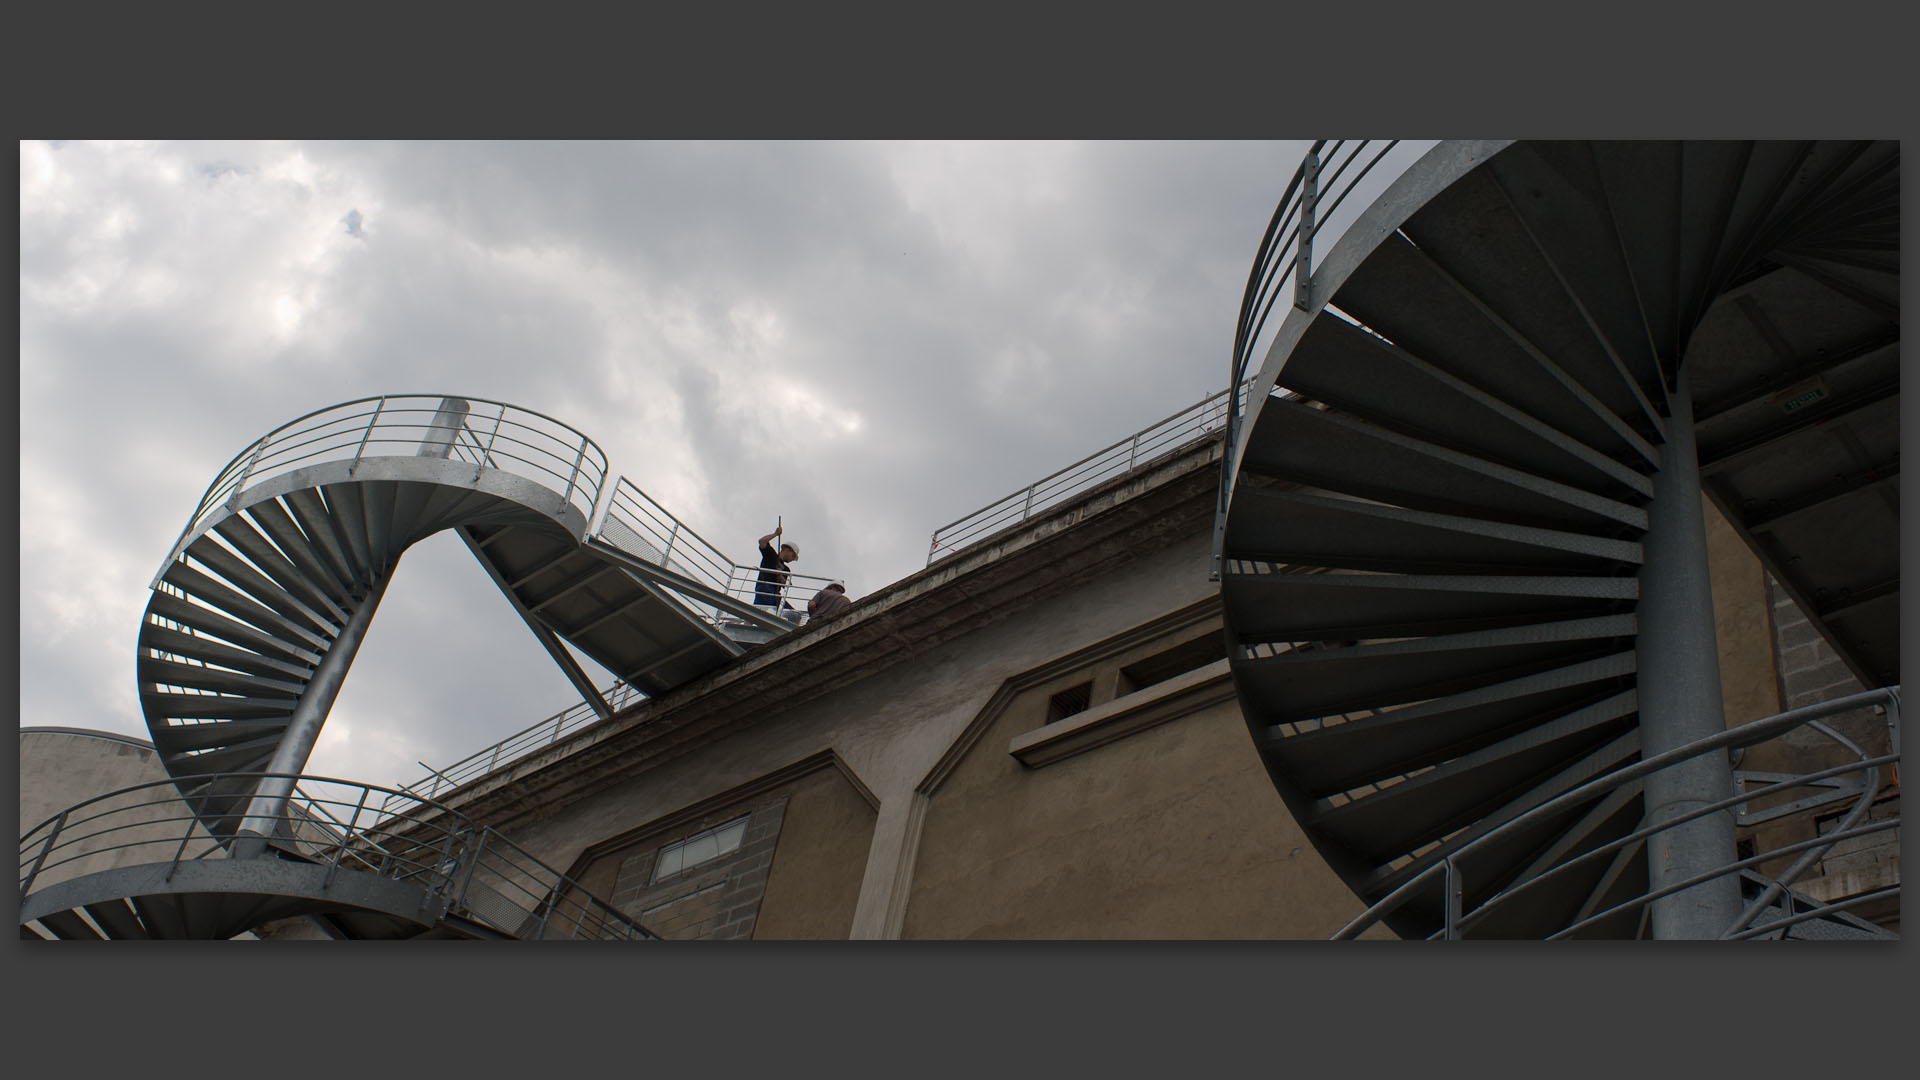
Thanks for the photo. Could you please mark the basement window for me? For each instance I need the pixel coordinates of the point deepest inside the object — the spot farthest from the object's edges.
(700, 848)
(1068, 702)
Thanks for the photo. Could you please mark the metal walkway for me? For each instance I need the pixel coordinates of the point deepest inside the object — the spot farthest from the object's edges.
(1461, 551)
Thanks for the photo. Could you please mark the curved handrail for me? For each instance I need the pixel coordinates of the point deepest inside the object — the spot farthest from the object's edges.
(526, 443)
(465, 867)
(1285, 255)
(1745, 735)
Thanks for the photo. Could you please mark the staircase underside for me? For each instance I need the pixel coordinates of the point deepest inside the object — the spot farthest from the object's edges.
(222, 898)
(1435, 549)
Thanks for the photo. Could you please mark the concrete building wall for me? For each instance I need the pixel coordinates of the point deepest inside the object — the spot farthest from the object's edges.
(62, 768)
(1149, 816)
(888, 730)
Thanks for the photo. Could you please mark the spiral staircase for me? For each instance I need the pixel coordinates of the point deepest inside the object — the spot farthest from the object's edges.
(1456, 555)
(259, 609)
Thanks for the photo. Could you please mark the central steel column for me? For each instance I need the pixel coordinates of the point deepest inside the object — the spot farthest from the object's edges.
(1679, 688)
(268, 806)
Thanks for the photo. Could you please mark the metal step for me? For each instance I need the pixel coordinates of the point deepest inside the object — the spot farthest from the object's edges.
(202, 587)
(1361, 375)
(1397, 818)
(1319, 607)
(1306, 684)
(238, 531)
(1311, 529)
(256, 585)
(1293, 441)
(192, 646)
(1326, 758)
(208, 621)
(1456, 333)
(200, 677)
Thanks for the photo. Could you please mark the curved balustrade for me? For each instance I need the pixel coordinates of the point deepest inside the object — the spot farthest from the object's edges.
(1446, 880)
(485, 433)
(461, 869)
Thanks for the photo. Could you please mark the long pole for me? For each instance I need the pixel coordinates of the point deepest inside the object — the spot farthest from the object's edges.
(269, 802)
(1679, 689)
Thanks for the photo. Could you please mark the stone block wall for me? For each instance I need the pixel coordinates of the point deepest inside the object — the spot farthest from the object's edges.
(714, 901)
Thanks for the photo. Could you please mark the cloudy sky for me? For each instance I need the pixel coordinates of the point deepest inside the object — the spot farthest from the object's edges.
(864, 340)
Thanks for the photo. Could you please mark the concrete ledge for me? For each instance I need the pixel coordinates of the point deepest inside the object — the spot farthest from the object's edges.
(1179, 696)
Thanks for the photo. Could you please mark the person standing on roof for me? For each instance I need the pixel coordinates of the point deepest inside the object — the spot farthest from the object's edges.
(829, 601)
(773, 572)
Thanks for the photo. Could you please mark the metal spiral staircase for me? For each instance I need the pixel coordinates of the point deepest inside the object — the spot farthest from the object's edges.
(258, 611)
(1460, 545)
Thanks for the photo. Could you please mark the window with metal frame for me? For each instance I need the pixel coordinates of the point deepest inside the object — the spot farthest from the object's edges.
(701, 847)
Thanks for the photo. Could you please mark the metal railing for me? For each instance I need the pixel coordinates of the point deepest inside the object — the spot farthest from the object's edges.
(1446, 875)
(528, 444)
(1147, 444)
(463, 868)
(1309, 206)
(512, 748)
(641, 527)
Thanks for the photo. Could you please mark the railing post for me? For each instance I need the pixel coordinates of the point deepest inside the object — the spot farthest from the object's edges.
(486, 452)
(1303, 263)
(177, 852)
(573, 476)
(1029, 507)
(1450, 881)
(673, 536)
(345, 836)
(365, 435)
(58, 824)
(479, 845)
(240, 482)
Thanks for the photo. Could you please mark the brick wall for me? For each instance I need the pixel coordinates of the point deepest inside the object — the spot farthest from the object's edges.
(1809, 672)
(714, 901)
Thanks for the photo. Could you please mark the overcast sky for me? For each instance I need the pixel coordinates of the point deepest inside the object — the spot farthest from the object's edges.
(863, 340)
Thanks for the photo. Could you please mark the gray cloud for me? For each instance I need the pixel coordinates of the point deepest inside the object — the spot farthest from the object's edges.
(865, 340)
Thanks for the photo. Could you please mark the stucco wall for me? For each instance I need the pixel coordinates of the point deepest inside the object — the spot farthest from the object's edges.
(1174, 832)
(59, 769)
(815, 881)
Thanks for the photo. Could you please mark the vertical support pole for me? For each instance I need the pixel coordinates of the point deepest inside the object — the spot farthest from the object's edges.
(1451, 882)
(1679, 690)
(1309, 197)
(445, 427)
(269, 801)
